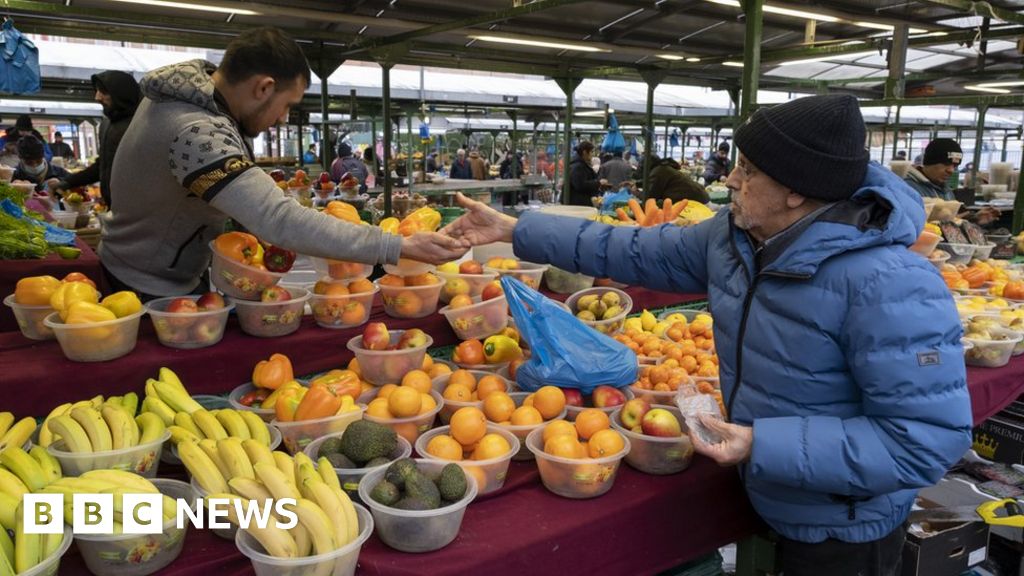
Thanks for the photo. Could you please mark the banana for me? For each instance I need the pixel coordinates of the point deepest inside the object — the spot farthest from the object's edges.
(151, 427)
(184, 420)
(130, 401)
(350, 514)
(233, 424)
(250, 489)
(257, 452)
(115, 400)
(175, 397)
(307, 476)
(167, 375)
(235, 458)
(202, 468)
(6, 551)
(180, 435)
(210, 448)
(316, 522)
(300, 459)
(81, 485)
(123, 479)
(93, 424)
(51, 543)
(71, 433)
(27, 547)
(276, 481)
(8, 504)
(124, 432)
(24, 466)
(160, 408)
(276, 541)
(18, 434)
(331, 505)
(96, 401)
(11, 485)
(6, 420)
(151, 388)
(257, 427)
(209, 425)
(46, 436)
(49, 464)
(232, 513)
(286, 465)
(170, 507)
(326, 470)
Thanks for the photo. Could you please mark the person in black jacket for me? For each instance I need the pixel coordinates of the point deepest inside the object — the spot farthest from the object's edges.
(718, 166)
(119, 94)
(668, 182)
(460, 167)
(583, 182)
(33, 166)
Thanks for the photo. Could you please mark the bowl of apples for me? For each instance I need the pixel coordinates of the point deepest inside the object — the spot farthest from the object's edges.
(278, 313)
(659, 443)
(190, 321)
(604, 397)
(467, 278)
(526, 272)
(385, 356)
(478, 318)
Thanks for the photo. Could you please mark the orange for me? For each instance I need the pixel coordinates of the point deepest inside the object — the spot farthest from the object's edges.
(428, 403)
(444, 447)
(391, 280)
(405, 401)
(478, 474)
(468, 425)
(464, 377)
(488, 384)
(528, 401)
(438, 369)
(417, 379)
(406, 430)
(386, 390)
(526, 416)
(590, 421)
(428, 363)
(499, 406)
(427, 279)
(557, 427)
(707, 370)
(563, 446)
(549, 401)
(360, 286)
(353, 313)
(605, 443)
(492, 445)
(658, 374)
(407, 303)
(688, 363)
(378, 408)
(458, 393)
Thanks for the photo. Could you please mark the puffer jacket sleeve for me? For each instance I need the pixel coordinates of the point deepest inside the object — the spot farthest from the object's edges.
(902, 343)
(667, 257)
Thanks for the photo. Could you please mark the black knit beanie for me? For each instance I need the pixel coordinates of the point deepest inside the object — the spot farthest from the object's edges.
(813, 146)
(943, 151)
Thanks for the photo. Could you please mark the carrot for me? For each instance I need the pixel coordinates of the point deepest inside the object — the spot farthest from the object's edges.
(622, 215)
(638, 212)
(677, 210)
(666, 209)
(650, 207)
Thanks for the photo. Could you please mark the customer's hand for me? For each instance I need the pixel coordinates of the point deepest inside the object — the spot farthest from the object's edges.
(433, 248)
(53, 184)
(986, 216)
(735, 447)
(481, 224)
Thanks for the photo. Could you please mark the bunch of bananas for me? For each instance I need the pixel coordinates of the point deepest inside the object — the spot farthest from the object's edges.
(111, 425)
(25, 551)
(23, 472)
(15, 434)
(167, 396)
(243, 469)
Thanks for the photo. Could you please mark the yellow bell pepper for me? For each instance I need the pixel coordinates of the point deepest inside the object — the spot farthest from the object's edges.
(343, 211)
(124, 303)
(425, 219)
(35, 290)
(501, 348)
(270, 401)
(82, 312)
(389, 225)
(70, 292)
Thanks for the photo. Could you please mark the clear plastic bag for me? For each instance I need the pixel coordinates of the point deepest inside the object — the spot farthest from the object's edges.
(692, 405)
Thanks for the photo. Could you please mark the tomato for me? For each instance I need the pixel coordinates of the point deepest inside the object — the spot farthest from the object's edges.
(254, 397)
(469, 352)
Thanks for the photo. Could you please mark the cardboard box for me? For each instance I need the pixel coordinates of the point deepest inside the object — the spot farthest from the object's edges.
(947, 550)
(1001, 439)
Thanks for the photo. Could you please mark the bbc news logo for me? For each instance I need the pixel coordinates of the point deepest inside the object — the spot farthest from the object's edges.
(143, 513)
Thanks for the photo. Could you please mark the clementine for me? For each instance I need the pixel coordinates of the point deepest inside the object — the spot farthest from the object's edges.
(464, 377)
(499, 406)
(605, 443)
(488, 384)
(360, 286)
(407, 303)
(549, 401)
(590, 421)
(468, 425)
(563, 446)
(444, 447)
(458, 393)
(391, 280)
(404, 401)
(526, 416)
(417, 379)
(439, 369)
(428, 403)
(378, 408)
(386, 390)
(556, 427)
(492, 445)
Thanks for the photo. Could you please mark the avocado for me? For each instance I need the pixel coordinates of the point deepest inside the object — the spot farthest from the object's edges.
(411, 503)
(451, 484)
(385, 492)
(379, 461)
(330, 446)
(399, 471)
(364, 440)
(338, 460)
(419, 486)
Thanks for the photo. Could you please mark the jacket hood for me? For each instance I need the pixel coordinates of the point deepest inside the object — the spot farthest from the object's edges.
(123, 90)
(883, 211)
(184, 82)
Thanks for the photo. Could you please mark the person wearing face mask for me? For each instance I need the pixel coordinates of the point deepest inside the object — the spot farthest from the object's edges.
(33, 167)
(186, 165)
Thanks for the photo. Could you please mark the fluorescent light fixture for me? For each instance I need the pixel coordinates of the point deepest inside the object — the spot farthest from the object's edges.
(539, 43)
(672, 57)
(595, 112)
(733, 63)
(1002, 84)
(693, 59)
(886, 27)
(801, 14)
(192, 6)
(826, 58)
(984, 89)
(804, 14)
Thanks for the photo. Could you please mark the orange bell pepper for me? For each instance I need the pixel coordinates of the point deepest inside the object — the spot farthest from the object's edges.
(70, 292)
(35, 290)
(288, 402)
(339, 382)
(425, 219)
(343, 211)
(272, 373)
(270, 401)
(240, 247)
(319, 402)
(78, 277)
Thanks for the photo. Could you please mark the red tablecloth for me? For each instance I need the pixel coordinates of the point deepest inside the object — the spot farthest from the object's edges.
(992, 389)
(44, 378)
(13, 270)
(643, 525)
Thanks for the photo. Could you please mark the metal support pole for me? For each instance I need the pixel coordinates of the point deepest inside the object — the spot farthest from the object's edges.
(533, 160)
(752, 10)
(568, 86)
(409, 151)
(1018, 206)
(324, 70)
(301, 151)
(373, 147)
(978, 135)
(555, 157)
(896, 132)
(1006, 139)
(896, 80)
(512, 144)
(649, 135)
(386, 160)
(668, 151)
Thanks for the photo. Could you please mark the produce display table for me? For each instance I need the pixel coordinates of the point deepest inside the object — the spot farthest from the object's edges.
(467, 186)
(44, 378)
(13, 270)
(643, 525)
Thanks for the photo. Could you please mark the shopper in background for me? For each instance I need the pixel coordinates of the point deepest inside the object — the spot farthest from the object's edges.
(583, 182)
(62, 149)
(34, 167)
(717, 168)
(119, 94)
(430, 166)
(23, 127)
(346, 163)
(616, 171)
(931, 177)
(511, 167)
(309, 157)
(460, 167)
(839, 348)
(667, 181)
(186, 165)
(544, 166)
(901, 155)
(478, 168)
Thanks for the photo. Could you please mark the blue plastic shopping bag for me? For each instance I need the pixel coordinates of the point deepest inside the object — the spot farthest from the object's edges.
(565, 352)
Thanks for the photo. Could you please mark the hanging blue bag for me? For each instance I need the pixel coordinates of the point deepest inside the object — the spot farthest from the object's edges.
(565, 352)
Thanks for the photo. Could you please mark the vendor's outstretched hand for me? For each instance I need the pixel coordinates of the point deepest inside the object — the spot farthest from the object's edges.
(481, 224)
(433, 248)
(735, 447)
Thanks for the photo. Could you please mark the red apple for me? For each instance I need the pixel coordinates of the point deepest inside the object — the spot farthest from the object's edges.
(376, 336)
(275, 294)
(460, 301)
(210, 301)
(325, 177)
(492, 290)
(183, 305)
(633, 412)
(471, 267)
(412, 338)
(278, 175)
(573, 397)
(207, 331)
(606, 397)
(661, 422)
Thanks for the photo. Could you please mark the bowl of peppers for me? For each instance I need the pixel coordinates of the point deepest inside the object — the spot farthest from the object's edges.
(243, 267)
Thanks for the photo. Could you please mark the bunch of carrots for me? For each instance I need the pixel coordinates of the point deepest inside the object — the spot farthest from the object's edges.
(651, 214)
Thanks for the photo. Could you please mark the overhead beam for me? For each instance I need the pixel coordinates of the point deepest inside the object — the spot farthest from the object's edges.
(980, 9)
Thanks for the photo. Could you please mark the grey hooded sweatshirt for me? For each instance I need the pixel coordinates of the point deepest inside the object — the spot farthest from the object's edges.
(186, 168)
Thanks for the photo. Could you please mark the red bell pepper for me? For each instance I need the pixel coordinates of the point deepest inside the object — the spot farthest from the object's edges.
(277, 259)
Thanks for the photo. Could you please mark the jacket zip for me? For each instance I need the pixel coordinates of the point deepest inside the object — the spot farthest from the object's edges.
(181, 248)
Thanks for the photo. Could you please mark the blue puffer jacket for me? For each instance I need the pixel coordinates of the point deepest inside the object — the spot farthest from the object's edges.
(836, 343)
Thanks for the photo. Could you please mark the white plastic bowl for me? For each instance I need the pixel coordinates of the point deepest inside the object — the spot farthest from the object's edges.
(381, 367)
(493, 470)
(984, 251)
(298, 434)
(188, 329)
(655, 454)
(397, 297)
(407, 267)
(575, 478)
(958, 253)
(992, 353)
(96, 341)
(341, 270)
(332, 311)
(528, 273)
(523, 430)
(51, 566)
(238, 280)
(143, 459)
(30, 319)
(608, 326)
(411, 427)
(471, 285)
(272, 319)
(440, 383)
(480, 320)
(350, 477)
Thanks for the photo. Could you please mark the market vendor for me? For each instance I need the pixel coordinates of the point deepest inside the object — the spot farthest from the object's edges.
(931, 177)
(186, 165)
(840, 355)
(718, 166)
(33, 166)
(583, 181)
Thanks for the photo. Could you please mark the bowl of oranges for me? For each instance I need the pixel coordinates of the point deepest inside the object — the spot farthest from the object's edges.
(406, 408)
(525, 417)
(578, 459)
(342, 304)
(410, 296)
(340, 270)
(658, 384)
(463, 388)
(482, 450)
